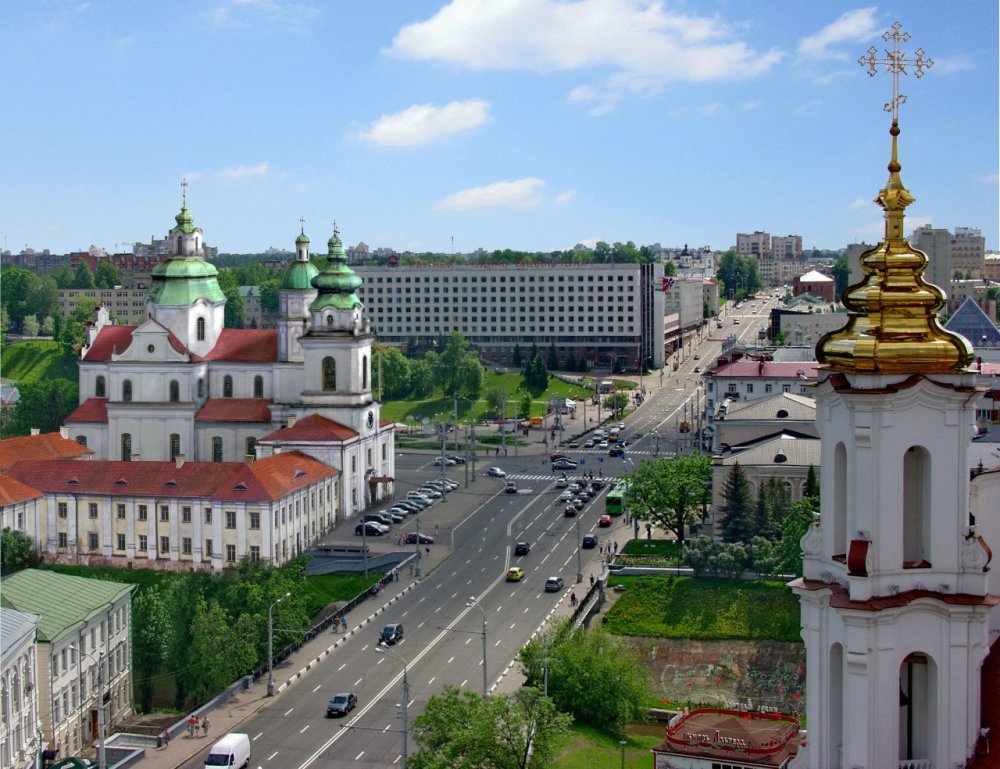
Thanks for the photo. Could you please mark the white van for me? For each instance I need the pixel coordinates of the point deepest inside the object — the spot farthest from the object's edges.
(233, 750)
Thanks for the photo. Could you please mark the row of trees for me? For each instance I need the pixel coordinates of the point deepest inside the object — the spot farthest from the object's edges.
(738, 275)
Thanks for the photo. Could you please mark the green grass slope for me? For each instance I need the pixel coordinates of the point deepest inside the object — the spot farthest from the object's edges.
(33, 361)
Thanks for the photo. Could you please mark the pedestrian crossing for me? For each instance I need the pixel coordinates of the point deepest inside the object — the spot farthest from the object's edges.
(551, 477)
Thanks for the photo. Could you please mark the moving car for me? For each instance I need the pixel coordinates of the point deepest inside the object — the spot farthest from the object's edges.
(555, 457)
(574, 445)
(697, 356)
(564, 464)
(371, 529)
(616, 451)
(565, 496)
(602, 445)
(342, 704)
(522, 548)
(455, 458)
(391, 634)
(553, 584)
(604, 521)
(589, 443)
(496, 472)
(597, 484)
(589, 541)
(515, 574)
(510, 487)
(697, 369)
(446, 461)
(621, 425)
(231, 751)
(562, 483)
(571, 510)
(410, 538)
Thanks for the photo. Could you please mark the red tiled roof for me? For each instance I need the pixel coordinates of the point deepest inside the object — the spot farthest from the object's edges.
(746, 368)
(12, 490)
(246, 345)
(312, 428)
(44, 446)
(91, 410)
(840, 598)
(265, 480)
(235, 410)
(111, 339)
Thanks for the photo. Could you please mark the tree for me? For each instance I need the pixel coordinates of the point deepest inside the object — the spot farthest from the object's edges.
(841, 275)
(516, 359)
(17, 551)
(553, 362)
(537, 375)
(737, 521)
(811, 488)
(106, 275)
(616, 402)
(669, 268)
(495, 400)
(220, 650)
(591, 674)
(269, 295)
(234, 302)
(394, 369)
(421, 378)
(15, 283)
(668, 491)
(43, 297)
(788, 551)
(470, 376)
(524, 406)
(30, 327)
(151, 641)
(83, 277)
(44, 404)
(448, 370)
(461, 730)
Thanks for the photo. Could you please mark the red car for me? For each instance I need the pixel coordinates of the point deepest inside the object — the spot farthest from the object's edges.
(411, 538)
(570, 511)
(604, 521)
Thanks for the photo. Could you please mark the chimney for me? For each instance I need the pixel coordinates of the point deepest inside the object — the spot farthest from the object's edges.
(64, 432)
(179, 461)
(134, 458)
(35, 430)
(291, 420)
(249, 458)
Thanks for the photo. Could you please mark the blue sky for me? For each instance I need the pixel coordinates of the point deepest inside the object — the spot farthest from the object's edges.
(524, 124)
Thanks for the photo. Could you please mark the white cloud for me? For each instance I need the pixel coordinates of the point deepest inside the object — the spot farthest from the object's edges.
(641, 45)
(424, 123)
(520, 193)
(711, 109)
(244, 172)
(751, 104)
(243, 13)
(852, 27)
(948, 64)
(124, 42)
(564, 197)
(809, 106)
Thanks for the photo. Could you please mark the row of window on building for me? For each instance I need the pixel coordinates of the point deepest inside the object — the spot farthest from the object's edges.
(174, 388)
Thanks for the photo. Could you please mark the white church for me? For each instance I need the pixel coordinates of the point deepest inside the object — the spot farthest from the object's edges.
(180, 385)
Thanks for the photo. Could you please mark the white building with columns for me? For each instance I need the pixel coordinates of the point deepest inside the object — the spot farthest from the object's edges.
(20, 727)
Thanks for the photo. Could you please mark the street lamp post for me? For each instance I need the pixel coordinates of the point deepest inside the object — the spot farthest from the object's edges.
(473, 601)
(270, 644)
(623, 743)
(101, 762)
(406, 695)
(579, 549)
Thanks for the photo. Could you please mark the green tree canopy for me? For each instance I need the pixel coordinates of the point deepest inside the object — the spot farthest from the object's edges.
(83, 277)
(841, 275)
(395, 371)
(524, 406)
(737, 507)
(234, 302)
(17, 551)
(616, 403)
(470, 376)
(43, 297)
(151, 641)
(668, 491)
(44, 404)
(106, 275)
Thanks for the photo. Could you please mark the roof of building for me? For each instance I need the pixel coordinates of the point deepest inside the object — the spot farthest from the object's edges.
(43, 446)
(246, 346)
(91, 410)
(748, 368)
(62, 601)
(262, 481)
(312, 428)
(9, 394)
(235, 410)
(785, 449)
(14, 626)
(733, 736)
(970, 321)
(298, 276)
(784, 406)
(114, 340)
(12, 491)
(814, 276)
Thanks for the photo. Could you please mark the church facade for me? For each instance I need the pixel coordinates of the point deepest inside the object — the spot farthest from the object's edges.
(181, 385)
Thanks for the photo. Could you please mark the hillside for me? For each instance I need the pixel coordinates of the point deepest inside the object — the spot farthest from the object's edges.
(35, 360)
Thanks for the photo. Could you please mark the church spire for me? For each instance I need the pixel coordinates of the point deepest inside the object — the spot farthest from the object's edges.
(892, 322)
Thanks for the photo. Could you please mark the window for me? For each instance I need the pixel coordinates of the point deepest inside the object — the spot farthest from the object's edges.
(63, 512)
(82, 440)
(127, 390)
(164, 544)
(186, 545)
(208, 548)
(175, 446)
(201, 387)
(255, 553)
(143, 543)
(364, 372)
(231, 553)
(121, 542)
(258, 387)
(254, 520)
(230, 519)
(749, 388)
(92, 509)
(208, 515)
(143, 514)
(329, 374)
(175, 391)
(216, 449)
(63, 540)
(200, 329)
(251, 447)
(100, 387)
(126, 447)
(92, 541)
(185, 515)
(120, 511)
(227, 386)
(164, 513)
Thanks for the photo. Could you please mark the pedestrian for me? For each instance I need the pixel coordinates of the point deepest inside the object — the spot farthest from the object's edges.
(591, 580)
(616, 547)
(166, 738)
(572, 599)
(343, 624)
(427, 550)
(192, 726)
(204, 726)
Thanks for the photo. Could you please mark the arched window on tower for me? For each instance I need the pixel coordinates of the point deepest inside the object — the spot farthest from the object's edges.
(179, 252)
(200, 329)
(916, 508)
(175, 391)
(329, 374)
(227, 386)
(126, 447)
(201, 387)
(216, 448)
(364, 372)
(258, 387)
(127, 390)
(840, 544)
(100, 391)
(175, 446)
(82, 440)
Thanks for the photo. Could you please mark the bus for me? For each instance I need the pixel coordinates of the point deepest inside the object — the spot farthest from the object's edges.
(615, 503)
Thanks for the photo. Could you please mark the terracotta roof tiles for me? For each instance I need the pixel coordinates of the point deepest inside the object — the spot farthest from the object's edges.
(235, 410)
(312, 428)
(246, 346)
(91, 410)
(44, 446)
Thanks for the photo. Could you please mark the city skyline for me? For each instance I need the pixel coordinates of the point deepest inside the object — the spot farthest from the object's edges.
(531, 125)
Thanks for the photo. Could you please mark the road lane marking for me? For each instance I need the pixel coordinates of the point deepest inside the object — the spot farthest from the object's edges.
(359, 681)
(342, 667)
(431, 681)
(272, 755)
(302, 730)
(316, 689)
(259, 734)
(287, 711)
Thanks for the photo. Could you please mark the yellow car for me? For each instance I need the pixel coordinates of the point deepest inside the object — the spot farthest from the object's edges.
(515, 574)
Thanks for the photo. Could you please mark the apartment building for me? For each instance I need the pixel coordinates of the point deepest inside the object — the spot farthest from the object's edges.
(609, 316)
(962, 253)
(755, 244)
(20, 741)
(127, 305)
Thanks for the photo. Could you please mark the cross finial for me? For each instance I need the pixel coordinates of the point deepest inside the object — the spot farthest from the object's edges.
(302, 225)
(895, 62)
(184, 191)
(335, 230)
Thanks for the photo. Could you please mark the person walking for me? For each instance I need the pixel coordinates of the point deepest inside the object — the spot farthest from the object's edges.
(204, 726)
(166, 739)
(192, 723)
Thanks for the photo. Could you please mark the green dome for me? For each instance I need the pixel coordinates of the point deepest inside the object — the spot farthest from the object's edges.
(184, 280)
(185, 222)
(298, 275)
(303, 238)
(337, 282)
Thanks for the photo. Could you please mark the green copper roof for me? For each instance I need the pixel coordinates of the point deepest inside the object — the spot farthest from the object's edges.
(337, 282)
(298, 275)
(184, 280)
(185, 222)
(303, 238)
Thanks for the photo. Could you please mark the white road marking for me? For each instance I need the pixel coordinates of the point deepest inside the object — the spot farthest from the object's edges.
(287, 711)
(272, 755)
(259, 734)
(359, 681)
(342, 667)
(303, 728)
(358, 757)
(451, 660)
(316, 689)
(431, 681)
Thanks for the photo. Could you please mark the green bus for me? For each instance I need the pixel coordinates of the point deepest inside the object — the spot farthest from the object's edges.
(615, 503)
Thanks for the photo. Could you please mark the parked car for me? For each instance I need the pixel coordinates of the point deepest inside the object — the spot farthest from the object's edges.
(418, 499)
(391, 634)
(553, 584)
(515, 574)
(564, 464)
(522, 548)
(697, 369)
(571, 510)
(604, 521)
(431, 492)
(455, 458)
(510, 487)
(342, 704)
(397, 516)
(444, 461)
(496, 472)
(403, 510)
(407, 504)
(378, 518)
(589, 541)
(370, 529)
(410, 538)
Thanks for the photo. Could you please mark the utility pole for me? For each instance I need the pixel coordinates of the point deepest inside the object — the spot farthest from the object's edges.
(270, 644)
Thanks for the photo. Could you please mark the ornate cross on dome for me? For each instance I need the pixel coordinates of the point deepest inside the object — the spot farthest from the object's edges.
(184, 191)
(302, 225)
(895, 62)
(336, 232)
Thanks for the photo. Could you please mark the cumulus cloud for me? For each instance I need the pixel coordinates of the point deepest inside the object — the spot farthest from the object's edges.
(948, 64)
(244, 172)
(425, 123)
(520, 193)
(564, 197)
(244, 13)
(852, 27)
(641, 45)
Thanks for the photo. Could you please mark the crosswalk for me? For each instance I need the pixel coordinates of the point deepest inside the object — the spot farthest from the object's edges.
(551, 477)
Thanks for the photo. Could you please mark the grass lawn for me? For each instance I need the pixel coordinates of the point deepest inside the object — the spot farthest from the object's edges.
(651, 552)
(704, 609)
(35, 360)
(590, 748)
